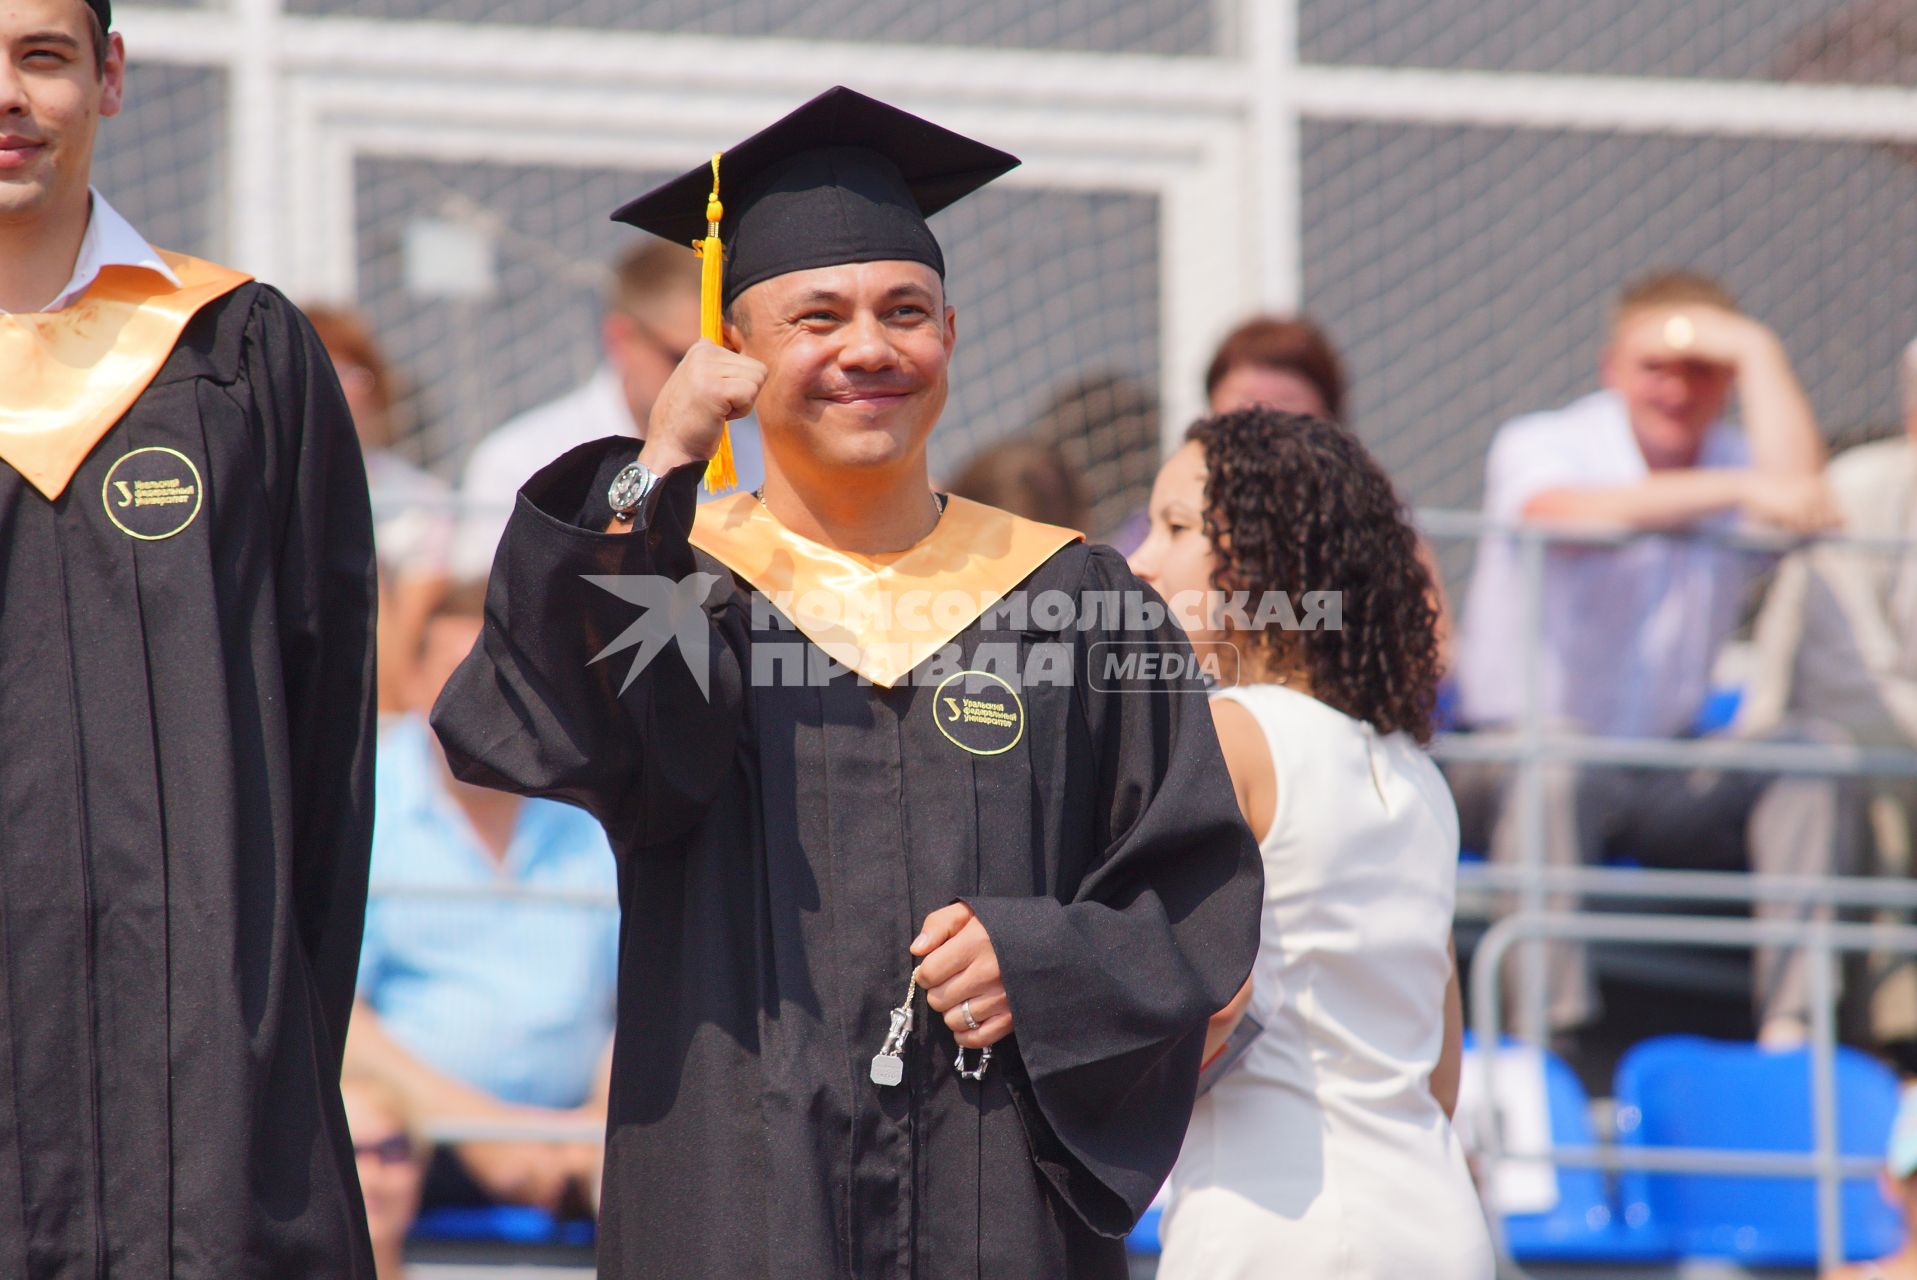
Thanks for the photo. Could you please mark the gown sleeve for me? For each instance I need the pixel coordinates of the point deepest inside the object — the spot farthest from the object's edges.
(1111, 989)
(325, 589)
(641, 737)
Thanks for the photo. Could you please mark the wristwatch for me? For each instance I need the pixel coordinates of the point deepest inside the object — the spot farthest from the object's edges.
(628, 490)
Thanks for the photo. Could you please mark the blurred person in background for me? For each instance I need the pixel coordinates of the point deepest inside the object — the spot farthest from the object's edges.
(413, 520)
(1327, 1148)
(650, 320)
(1836, 644)
(1281, 362)
(1288, 363)
(1105, 427)
(489, 1008)
(1631, 633)
(1026, 479)
(1898, 1183)
(186, 727)
(391, 1156)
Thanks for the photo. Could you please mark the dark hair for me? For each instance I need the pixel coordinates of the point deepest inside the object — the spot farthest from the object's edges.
(1292, 344)
(97, 35)
(1026, 479)
(1296, 504)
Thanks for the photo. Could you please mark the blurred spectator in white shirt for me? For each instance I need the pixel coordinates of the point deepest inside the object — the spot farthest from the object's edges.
(1837, 642)
(1630, 633)
(651, 319)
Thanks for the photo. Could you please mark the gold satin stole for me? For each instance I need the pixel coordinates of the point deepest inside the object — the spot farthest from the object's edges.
(67, 376)
(880, 615)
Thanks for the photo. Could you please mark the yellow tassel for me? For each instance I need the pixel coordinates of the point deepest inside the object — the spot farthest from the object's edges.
(720, 473)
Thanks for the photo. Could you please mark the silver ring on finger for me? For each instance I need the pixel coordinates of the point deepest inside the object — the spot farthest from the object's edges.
(965, 1008)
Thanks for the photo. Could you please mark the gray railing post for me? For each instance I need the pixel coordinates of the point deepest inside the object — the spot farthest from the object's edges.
(1823, 1067)
(1533, 1013)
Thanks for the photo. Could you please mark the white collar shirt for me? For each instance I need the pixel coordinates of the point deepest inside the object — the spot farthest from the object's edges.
(110, 241)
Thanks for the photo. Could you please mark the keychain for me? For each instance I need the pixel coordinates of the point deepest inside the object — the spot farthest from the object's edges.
(888, 1065)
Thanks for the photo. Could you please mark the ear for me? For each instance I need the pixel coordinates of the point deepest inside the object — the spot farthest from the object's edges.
(113, 76)
(951, 331)
(1607, 365)
(615, 336)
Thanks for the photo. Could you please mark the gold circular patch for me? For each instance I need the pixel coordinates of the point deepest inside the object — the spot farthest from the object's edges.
(978, 712)
(152, 493)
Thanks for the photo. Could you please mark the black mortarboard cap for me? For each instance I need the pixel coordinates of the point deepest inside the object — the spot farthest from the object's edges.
(103, 10)
(845, 178)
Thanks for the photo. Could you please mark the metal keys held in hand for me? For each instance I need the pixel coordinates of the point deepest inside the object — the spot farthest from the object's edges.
(888, 1065)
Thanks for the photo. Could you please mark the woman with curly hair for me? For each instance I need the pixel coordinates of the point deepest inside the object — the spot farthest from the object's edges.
(1325, 1148)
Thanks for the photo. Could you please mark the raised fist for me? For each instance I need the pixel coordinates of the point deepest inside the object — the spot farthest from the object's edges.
(710, 387)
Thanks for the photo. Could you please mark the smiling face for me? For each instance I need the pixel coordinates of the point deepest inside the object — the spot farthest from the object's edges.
(53, 93)
(856, 359)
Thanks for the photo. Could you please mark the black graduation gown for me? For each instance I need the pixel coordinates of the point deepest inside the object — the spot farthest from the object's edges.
(779, 847)
(186, 730)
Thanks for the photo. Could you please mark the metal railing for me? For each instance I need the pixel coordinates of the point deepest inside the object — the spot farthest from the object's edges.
(1534, 743)
(1823, 940)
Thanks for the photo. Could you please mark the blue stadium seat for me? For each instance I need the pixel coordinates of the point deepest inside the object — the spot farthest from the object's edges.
(1144, 1236)
(1583, 1226)
(1686, 1091)
(503, 1224)
(1719, 709)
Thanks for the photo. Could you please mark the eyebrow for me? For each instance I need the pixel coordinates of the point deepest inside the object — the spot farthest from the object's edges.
(814, 297)
(49, 37)
(909, 289)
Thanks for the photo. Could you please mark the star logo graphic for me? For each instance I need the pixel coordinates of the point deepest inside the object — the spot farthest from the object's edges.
(674, 611)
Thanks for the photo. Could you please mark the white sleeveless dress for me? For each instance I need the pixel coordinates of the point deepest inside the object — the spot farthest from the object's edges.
(1323, 1156)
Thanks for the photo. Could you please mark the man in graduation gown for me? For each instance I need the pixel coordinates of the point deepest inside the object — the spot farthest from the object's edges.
(815, 781)
(185, 714)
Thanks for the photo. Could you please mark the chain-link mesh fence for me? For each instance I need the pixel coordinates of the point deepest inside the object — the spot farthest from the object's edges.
(1859, 41)
(160, 161)
(1094, 26)
(1468, 271)
(1464, 270)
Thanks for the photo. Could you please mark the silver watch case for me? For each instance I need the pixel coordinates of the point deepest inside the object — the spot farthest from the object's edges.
(629, 488)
